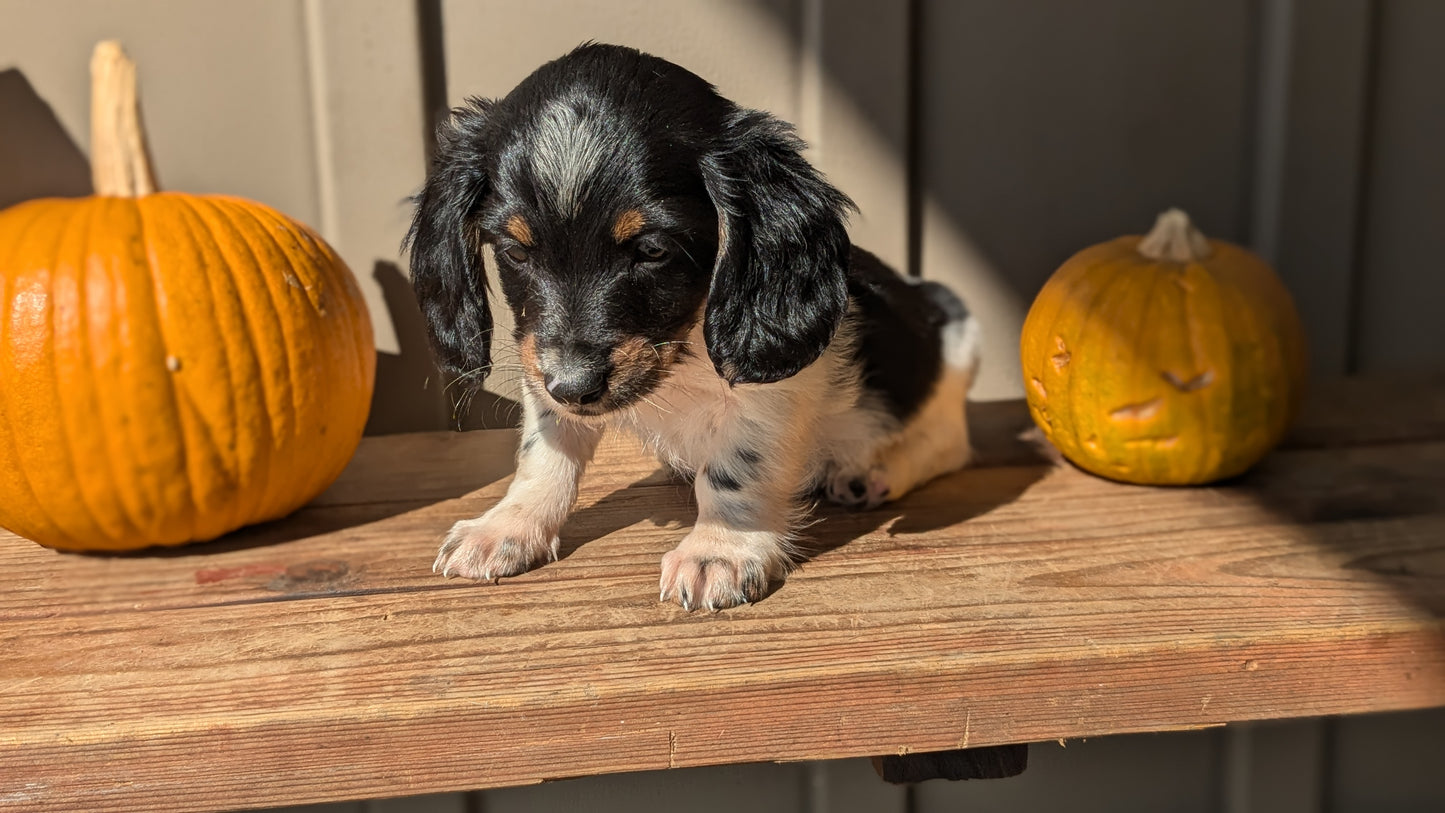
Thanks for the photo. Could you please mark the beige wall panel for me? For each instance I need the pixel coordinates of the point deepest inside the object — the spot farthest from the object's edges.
(1320, 203)
(224, 85)
(748, 49)
(370, 153)
(855, 113)
(1401, 287)
(1050, 125)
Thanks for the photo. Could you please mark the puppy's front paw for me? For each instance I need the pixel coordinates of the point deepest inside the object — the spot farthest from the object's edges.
(711, 569)
(868, 489)
(501, 542)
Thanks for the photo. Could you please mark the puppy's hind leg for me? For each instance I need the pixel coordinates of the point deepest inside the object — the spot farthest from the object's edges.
(935, 441)
(521, 531)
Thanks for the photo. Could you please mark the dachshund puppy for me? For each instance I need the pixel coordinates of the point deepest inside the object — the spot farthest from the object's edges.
(677, 270)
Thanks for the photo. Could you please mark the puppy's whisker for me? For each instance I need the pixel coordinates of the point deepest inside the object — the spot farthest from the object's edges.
(655, 405)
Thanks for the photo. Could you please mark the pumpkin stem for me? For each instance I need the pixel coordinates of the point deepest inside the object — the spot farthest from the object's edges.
(1174, 239)
(120, 163)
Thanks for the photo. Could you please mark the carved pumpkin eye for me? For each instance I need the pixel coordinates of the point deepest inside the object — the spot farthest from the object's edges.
(516, 254)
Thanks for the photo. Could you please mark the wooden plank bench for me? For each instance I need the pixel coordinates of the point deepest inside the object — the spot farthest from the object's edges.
(318, 658)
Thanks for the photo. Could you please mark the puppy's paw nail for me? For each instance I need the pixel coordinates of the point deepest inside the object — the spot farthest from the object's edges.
(711, 571)
(503, 542)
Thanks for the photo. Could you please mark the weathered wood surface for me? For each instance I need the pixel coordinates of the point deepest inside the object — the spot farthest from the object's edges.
(318, 658)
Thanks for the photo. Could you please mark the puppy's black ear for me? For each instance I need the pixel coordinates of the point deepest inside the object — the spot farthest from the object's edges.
(446, 262)
(780, 288)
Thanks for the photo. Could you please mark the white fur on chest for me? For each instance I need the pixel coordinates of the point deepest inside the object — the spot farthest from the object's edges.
(694, 415)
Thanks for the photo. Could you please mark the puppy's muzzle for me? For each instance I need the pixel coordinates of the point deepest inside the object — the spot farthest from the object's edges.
(575, 380)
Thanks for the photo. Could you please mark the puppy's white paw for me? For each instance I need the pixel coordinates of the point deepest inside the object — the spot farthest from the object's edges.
(501, 542)
(712, 570)
(852, 489)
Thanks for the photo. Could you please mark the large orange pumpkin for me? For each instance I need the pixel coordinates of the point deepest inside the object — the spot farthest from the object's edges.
(172, 366)
(1168, 359)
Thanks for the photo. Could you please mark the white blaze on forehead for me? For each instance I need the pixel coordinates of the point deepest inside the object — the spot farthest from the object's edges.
(571, 145)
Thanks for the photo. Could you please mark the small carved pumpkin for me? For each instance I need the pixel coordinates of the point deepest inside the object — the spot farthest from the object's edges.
(172, 366)
(1167, 360)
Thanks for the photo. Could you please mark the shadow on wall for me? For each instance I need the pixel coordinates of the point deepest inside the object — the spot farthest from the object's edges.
(402, 402)
(38, 159)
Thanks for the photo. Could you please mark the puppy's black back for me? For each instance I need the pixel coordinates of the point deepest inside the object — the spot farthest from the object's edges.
(900, 332)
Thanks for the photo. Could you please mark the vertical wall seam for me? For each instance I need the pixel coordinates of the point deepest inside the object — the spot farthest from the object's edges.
(810, 77)
(815, 787)
(1272, 31)
(322, 131)
(436, 109)
(1273, 56)
(1236, 768)
(431, 48)
(1364, 166)
(913, 139)
(1326, 756)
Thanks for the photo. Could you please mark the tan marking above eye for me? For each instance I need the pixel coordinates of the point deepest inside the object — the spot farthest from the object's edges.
(520, 231)
(627, 225)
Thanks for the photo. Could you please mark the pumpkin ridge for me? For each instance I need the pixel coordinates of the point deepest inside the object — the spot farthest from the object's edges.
(119, 446)
(1140, 457)
(269, 226)
(226, 465)
(65, 431)
(1059, 314)
(362, 347)
(264, 467)
(172, 384)
(237, 210)
(1081, 340)
(1270, 356)
(270, 223)
(285, 236)
(24, 475)
(1197, 326)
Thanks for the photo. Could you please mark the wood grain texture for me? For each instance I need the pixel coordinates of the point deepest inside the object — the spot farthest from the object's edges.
(317, 658)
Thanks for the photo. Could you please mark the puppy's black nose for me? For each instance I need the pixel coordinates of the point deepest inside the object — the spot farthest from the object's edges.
(576, 385)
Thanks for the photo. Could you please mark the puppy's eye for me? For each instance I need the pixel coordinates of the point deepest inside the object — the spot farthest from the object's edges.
(516, 254)
(651, 251)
